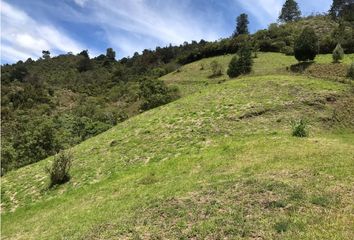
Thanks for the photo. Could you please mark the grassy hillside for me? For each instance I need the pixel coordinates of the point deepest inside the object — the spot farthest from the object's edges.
(219, 163)
(195, 76)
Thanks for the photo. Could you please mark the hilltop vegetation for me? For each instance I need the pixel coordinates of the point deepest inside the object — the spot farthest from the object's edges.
(55, 103)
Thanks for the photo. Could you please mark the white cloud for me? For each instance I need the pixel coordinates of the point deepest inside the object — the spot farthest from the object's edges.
(81, 3)
(134, 24)
(23, 37)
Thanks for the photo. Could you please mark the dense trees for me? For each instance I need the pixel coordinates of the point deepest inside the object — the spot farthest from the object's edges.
(241, 25)
(154, 93)
(52, 104)
(290, 11)
(306, 45)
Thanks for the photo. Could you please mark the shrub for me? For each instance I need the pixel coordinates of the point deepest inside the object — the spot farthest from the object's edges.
(306, 45)
(216, 69)
(59, 170)
(201, 67)
(351, 71)
(338, 53)
(233, 70)
(287, 50)
(155, 93)
(241, 64)
(299, 129)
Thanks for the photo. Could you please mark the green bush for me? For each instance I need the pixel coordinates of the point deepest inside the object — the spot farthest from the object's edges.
(287, 50)
(351, 71)
(201, 67)
(299, 129)
(338, 53)
(306, 45)
(241, 63)
(59, 170)
(155, 93)
(216, 69)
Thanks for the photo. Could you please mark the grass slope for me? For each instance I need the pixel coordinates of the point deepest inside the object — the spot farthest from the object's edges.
(218, 163)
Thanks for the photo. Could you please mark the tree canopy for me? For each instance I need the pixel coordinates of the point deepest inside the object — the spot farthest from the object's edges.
(241, 25)
(290, 11)
(306, 45)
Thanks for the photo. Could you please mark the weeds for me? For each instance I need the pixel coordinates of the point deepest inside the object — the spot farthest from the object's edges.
(299, 129)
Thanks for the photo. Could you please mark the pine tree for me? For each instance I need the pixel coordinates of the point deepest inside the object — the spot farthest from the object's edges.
(241, 63)
(290, 11)
(241, 25)
(110, 55)
(306, 45)
(336, 8)
(338, 53)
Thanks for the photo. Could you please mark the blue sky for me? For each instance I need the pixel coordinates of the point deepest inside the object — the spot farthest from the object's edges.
(61, 26)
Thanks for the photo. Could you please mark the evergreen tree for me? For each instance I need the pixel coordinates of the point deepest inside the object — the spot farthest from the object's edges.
(233, 70)
(306, 45)
(84, 53)
(45, 54)
(338, 53)
(336, 8)
(241, 63)
(241, 25)
(110, 55)
(347, 13)
(290, 11)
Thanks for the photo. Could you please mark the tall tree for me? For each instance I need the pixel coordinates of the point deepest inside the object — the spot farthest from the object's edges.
(241, 25)
(347, 11)
(336, 8)
(290, 11)
(111, 55)
(241, 63)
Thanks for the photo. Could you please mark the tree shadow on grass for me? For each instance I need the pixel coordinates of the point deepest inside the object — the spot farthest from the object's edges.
(301, 66)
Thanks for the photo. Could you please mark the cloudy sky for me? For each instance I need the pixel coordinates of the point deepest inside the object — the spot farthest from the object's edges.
(61, 26)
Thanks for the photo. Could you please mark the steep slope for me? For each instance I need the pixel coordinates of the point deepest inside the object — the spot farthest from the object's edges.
(218, 163)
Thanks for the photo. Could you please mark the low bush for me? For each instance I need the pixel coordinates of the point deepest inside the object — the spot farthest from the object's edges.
(299, 129)
(351, 71)
(59, 170)
(338, 54)
(216, 69)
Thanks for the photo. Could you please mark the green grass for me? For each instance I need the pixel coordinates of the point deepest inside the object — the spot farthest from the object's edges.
(191, 78)
(220, 163)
